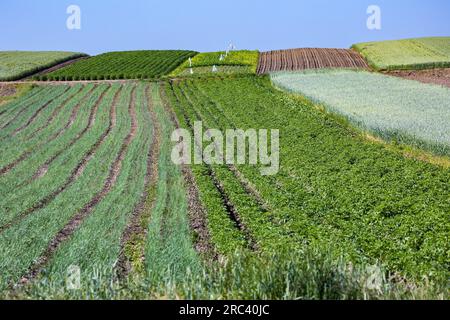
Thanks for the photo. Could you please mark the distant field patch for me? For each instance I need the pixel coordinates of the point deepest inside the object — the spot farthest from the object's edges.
(246, 59)
(420, 53)
(392, 108)
(15, 65)
(122, 65)
(301, 59)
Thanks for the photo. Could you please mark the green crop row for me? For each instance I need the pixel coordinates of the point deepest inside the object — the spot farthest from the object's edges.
(20, 195)
(334, 189)
(25, 241)
(106, 223)
(224, 233)
(204, 61)
(122, 65)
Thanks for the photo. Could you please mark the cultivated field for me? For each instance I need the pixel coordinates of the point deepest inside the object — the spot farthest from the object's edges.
(19, 64)
(332, 184)
(393, 109)
(87, 180)
(241, 61)
(300, 59)
(420, 53)
(122, 65)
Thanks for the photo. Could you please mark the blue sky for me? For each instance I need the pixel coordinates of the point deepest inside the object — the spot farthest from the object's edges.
(202, 25)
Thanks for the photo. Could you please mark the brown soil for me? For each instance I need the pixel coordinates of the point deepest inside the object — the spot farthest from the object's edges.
(67, 231)
(309, 58)
(433, 76)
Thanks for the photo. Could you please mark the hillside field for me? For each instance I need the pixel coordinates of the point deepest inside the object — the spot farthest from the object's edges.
(391, 108)
(142, 216)
(356, 206)
(309, 58)
(419, 53)
(123, 65)
(236, 62)
(15, 65)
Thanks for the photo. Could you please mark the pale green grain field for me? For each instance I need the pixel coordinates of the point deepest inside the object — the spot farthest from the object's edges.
(392, 108)
(419, 53)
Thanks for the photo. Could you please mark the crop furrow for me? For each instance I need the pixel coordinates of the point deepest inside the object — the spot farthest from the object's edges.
(197, 212)
(228, 205)
(37, 112)
(22, 103)
(74, 223)
(137, 226)
(53, 115)
(245, 183)
(72, 178)
(7, 168)
(43, 169)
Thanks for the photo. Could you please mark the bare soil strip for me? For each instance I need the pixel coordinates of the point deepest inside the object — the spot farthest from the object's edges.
(26, 154)
(36, 113)
(74, 175)
(53, 115)
(197, 212)
(136, 230)
(228, 205)
(67, 231)
(309, 58)
(432, 76)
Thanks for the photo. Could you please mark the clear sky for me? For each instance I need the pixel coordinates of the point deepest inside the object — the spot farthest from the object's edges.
(207, 25)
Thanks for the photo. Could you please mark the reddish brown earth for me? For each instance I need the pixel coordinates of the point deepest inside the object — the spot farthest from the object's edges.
(434, 76)
(309, 58)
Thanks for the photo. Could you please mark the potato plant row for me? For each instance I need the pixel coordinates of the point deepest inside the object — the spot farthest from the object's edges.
(122, 65)
(331, 186)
